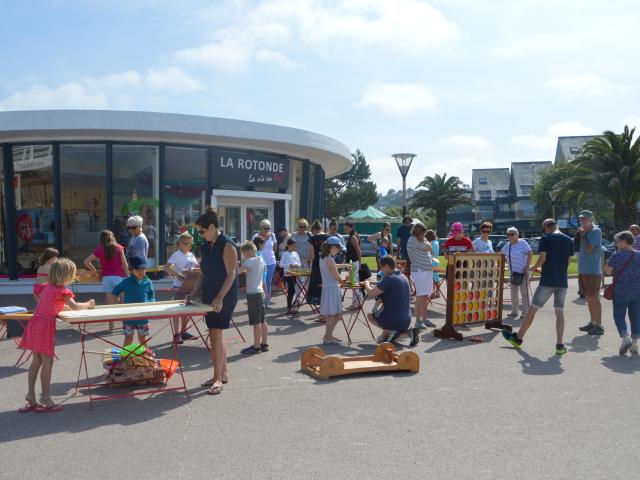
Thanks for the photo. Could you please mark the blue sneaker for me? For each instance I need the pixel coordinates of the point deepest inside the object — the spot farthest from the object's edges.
(512, 338)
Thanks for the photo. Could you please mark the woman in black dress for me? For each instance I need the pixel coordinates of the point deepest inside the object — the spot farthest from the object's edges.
(219, 287)
(318, 237)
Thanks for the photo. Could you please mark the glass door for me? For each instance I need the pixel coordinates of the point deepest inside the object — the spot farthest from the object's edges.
(230, 221)
(254, 215)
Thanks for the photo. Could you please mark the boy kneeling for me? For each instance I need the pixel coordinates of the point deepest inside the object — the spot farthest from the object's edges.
(393, 290)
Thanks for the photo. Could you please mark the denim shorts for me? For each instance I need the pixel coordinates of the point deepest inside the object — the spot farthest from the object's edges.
(543, 293)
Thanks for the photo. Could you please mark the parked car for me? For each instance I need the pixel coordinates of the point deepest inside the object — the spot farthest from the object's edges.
(367, 248)
(496, 239)
(534, 243)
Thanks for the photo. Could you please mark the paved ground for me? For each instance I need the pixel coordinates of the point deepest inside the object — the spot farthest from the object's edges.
(479, 411)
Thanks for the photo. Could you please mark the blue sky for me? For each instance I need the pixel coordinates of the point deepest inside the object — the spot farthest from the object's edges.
(462, 83)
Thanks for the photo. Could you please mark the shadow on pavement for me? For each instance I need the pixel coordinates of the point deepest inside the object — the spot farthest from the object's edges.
(622, 364)
(584, 343)
(443, 344)
(535, 366)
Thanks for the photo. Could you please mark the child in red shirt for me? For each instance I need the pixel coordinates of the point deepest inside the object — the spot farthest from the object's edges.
(457, 242)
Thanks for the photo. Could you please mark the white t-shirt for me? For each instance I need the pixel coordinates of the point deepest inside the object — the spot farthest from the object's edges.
(268, 254)
(480, 246)
(181, 262)
(519, 253)
(255, 268)
(288, 259)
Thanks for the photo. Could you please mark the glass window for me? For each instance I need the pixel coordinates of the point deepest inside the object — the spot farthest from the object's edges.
(230, 221)
(526, 189)
(83, 180)
(185, 187)
(135, 192)
(254, 216)
(483, 180)
(35, 212)
(502, 193)
(310, 195)
(485, 194)
(3, 219)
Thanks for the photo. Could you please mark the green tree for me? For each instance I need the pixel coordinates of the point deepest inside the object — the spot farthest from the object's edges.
(352, 190)
(609, 166)
(567, 202)
(440, 194)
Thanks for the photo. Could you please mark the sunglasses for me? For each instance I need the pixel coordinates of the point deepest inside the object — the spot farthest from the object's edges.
(302, 226)
(132, 228)
(512, 234)
(485, 230)
(266, 228)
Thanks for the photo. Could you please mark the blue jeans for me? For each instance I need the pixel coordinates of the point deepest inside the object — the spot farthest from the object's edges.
(271, 269)
(619, 313)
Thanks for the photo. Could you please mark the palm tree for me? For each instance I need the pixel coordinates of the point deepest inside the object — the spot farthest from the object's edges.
(609, 165)
(441, 194)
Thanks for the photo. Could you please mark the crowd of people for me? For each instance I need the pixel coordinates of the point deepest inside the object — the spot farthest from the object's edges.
(408, 271)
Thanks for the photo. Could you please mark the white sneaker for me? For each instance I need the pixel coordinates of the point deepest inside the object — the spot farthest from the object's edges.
(381, 339)
(419, 325)
(634, 349)
(513, 314)
(625, 346)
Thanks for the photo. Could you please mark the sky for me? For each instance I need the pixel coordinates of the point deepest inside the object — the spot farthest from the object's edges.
(461, 83)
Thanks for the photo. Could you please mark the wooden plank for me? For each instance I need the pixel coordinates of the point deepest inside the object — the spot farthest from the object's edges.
(134, 311)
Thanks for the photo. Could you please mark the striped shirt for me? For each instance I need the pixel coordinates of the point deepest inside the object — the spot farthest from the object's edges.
(421, 260)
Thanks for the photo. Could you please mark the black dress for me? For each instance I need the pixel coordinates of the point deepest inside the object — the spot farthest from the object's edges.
(214, 274)
(315, 282)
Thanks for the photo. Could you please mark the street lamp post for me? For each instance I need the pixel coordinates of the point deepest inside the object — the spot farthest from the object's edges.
(403, 160)
(553, 195)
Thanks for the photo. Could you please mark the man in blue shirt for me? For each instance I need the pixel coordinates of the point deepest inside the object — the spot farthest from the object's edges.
(590, 270)
(136, 288)
(403, 234)
(393, 290)
(556, 250)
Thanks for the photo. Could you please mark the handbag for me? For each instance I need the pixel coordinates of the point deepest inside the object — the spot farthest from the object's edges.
(610, 290)
(516, 277)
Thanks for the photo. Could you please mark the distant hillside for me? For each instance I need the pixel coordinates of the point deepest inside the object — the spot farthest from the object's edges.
(393, 198)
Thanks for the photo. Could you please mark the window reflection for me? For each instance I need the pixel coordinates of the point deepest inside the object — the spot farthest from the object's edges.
(83, 177)
(35, 214)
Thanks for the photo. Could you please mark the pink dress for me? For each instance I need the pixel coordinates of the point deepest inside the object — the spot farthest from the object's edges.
(39, 336)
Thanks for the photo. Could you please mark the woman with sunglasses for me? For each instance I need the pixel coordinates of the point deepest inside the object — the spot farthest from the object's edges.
(268, 253)
(218, 285)
(482, 244)
(519, 254)
(138, 243)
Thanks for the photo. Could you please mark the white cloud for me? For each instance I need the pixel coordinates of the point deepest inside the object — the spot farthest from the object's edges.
(473, 144)
(586, 84)
(547, 142)
(267, 30)
(398, 98)
(111, 90)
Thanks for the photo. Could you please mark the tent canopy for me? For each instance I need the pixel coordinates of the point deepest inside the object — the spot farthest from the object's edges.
(369, 212)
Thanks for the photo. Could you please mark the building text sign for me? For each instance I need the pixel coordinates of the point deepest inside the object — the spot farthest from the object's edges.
(246, 170)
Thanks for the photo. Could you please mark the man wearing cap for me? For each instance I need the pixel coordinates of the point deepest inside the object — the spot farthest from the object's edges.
(635, 231)
(590, 270)
(457, 242)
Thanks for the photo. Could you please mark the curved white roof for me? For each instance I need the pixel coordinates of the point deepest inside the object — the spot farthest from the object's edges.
(82, 125)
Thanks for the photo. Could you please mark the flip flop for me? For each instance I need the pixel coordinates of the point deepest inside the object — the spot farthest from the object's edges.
(29, 408)
(215, 390)
(51, 409)
(209, 382)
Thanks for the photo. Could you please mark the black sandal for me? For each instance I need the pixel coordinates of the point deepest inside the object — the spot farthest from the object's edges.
(264, 347)
(250, 350)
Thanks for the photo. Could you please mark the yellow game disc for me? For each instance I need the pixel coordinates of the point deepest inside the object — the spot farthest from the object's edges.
(457, 296)
(483, 294)
(482, 315)
(456, 308)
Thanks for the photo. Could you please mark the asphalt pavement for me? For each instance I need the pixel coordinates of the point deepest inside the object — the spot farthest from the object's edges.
(475, 410)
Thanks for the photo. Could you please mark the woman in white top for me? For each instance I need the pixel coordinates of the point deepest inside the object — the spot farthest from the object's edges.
(420, 255)
(518, 253)
(482, 244)
(268, 253)
(181, 260)
(288, 260)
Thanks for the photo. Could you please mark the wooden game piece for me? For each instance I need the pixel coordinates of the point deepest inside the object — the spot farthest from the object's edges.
(316, 363)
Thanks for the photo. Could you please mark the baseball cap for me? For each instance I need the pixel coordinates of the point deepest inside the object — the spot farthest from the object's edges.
(335, 241)
(457, 228)
(585, 214)
(137, 263)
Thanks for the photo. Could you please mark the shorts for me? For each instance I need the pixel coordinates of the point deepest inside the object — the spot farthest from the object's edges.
(109, 283)
(423, 282)
(255, 302)
(589, 284)
(129, 329)
(543, 293)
